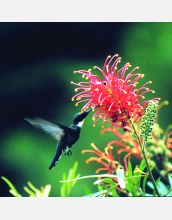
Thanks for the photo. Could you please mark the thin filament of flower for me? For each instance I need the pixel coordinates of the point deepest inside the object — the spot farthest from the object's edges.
(116, 62)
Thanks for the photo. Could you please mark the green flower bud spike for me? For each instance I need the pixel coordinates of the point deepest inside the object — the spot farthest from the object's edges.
(148, 120)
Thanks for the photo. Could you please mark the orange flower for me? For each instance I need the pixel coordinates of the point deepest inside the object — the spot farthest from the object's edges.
(106, 158)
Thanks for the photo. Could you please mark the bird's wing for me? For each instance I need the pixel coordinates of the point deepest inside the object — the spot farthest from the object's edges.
(56, 131)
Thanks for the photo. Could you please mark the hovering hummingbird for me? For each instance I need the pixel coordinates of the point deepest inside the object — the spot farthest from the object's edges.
(65, 136)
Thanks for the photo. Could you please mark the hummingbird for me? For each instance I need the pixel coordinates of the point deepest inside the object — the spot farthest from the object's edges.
(65, 136)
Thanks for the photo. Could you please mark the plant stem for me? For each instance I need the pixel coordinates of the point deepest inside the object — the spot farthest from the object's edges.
(90, 176)
(145, 158)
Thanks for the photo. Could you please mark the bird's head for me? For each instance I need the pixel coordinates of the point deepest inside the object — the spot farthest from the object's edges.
(79, 117)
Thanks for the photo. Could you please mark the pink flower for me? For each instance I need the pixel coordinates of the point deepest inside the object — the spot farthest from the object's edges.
(114, 95)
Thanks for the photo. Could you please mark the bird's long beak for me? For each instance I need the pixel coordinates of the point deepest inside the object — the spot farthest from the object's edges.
(88, 110)
(84, 114)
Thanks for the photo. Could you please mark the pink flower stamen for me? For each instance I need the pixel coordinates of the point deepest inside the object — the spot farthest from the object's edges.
(113, 96)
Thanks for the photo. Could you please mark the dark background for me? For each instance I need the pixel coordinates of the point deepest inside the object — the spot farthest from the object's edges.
(37, 61)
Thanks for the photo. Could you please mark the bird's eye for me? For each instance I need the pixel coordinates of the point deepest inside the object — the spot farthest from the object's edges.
(105, 83)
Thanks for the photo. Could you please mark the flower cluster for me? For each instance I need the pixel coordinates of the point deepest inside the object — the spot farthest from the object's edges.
(148, 120)
(108, 162)
(106, 158)
(159, 149)
(125, 146)
(114, 95)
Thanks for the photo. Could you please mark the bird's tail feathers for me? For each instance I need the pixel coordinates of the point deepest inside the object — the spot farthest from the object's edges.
(55, 159)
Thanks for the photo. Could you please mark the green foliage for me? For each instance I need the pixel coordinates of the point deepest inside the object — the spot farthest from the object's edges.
(30, 189)
(101, 193)
(34, 192)
(135, 183)
(12, 189)
(67, 186)
(148, 120)
(162, 188)
(107, 187)
(133, 179)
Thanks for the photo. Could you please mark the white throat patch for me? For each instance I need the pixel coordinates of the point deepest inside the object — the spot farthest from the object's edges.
(80, 124)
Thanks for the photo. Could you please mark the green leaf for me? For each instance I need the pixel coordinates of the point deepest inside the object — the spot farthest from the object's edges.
(129, 180)
(12, 190)
(145, 181)
(97, 194)
(68, 182)
(142, 165)
(46, 191)
(162, 188)
(139, 173)
(28, 191)
(170, 180)
(63, 190)
(33, 188)
(72, 174)
(130, 169)
(113, 191)
(152, 186)
(108, 181)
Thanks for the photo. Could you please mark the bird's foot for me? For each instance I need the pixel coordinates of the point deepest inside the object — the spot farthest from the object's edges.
(67, 151)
